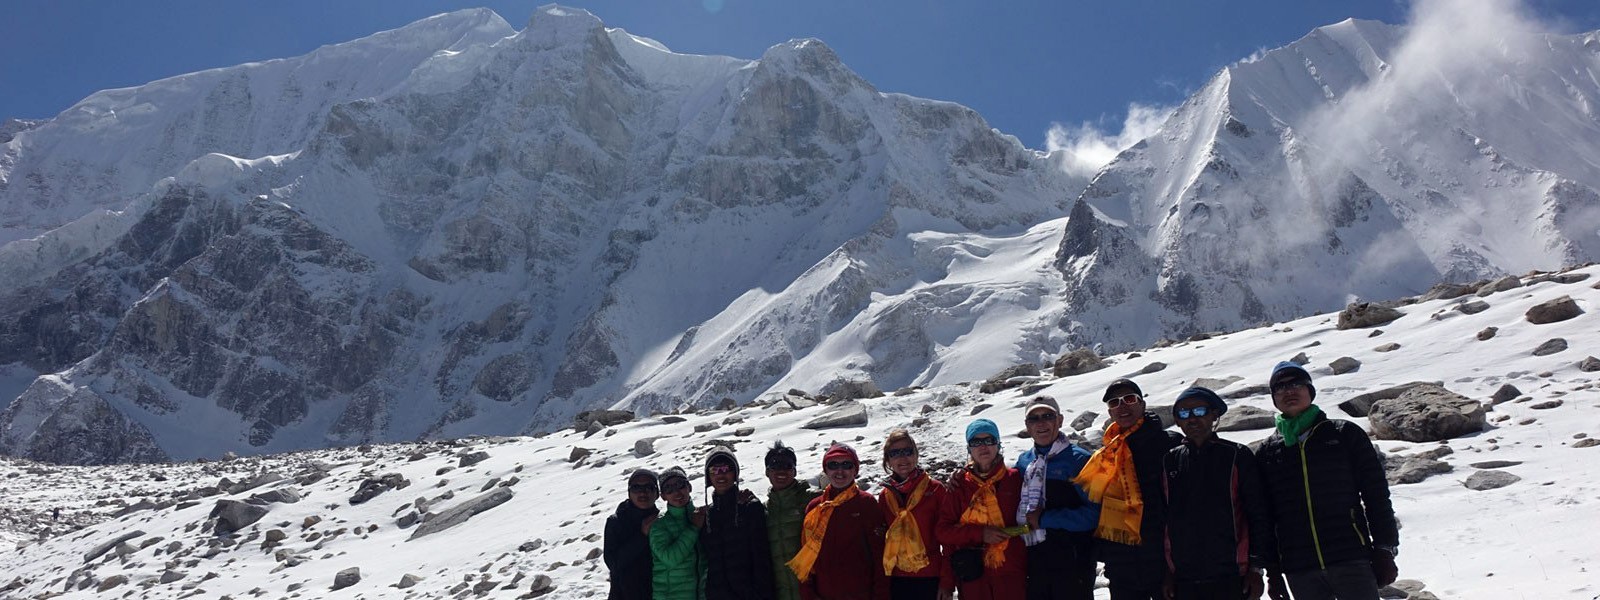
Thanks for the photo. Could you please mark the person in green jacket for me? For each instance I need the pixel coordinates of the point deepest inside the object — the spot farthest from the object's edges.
(679, 571)
(786, 512)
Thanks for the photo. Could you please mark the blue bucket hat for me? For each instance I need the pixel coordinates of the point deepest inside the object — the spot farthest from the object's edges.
(1214, 402)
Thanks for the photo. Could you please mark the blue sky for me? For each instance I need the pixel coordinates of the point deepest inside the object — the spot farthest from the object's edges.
(1023, 64)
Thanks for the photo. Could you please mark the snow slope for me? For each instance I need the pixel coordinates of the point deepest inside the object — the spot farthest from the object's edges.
(1517, 541)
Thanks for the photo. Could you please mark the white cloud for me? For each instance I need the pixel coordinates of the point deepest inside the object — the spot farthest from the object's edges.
(1084, 148)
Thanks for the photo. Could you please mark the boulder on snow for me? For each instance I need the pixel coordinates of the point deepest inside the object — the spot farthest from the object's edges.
(1589, 364)
(1509, 282)
(1084, 420)
(1553, 311)
(1414, 469)
(644, 447)
(1487, 332)
(1506, 393)
(1550, 346)
(1344, 364)
(1003, 379)
(233, 515)
(1446, 291)
(473, 458)
(459, 513)
(346, 578)
(1473, 307)
(848, 414)
(1389, 347)
(1360, 405)
(1426, 413)
(377, 485)
(1077, 362)
(586, 420)
(1490, 480)
(1366, 314)
(1245, 418)
(851, 389)
(107, 545)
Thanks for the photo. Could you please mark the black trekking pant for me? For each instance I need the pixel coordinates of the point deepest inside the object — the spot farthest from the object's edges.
(1225, 588)
(913, 588)
(1136, 580)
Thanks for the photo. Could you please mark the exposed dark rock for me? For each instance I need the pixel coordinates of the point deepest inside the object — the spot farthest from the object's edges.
(1589, 364)
(1389, 347)
(1489, 480)
(1084, 420)
(1487, 332)
(1446, 291)
(1546, 405)
(111, 582)
(473, 458)
(578, 454)
(1344, 364)
(1360, 405)
(1077, 362)
(459, 513)
(1553, 311)
(346, 578)
(1153, 368)
(233, 515)
(107, 545)
(1506, 393)
(1426, 413)
(1473, 307)
(408, 580)
(606, 418)
(1550, 346)
(1414, 469)
(1366, 314)
(377, 485)
(1002, 380)
(1245, 418)
(849, 414)
(851, 389)
(1509, 282)
(1496, 464)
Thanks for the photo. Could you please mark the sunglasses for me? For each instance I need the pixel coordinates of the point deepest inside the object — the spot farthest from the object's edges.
(1289, 384)
(1184, 413)
(642, 487)
(900, 453)
(780, 466)
(721, 469)
(843, 465)
(1123, 400)
(678, 486)
(1044, 417)
(979, 442)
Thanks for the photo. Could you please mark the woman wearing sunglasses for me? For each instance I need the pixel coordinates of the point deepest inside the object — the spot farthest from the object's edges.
(911, 501)
(988, 561)
(627, 541)
(680, 569)
(841, 542)
(1210, 483)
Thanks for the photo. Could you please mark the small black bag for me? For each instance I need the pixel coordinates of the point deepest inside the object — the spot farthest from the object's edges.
(967, 563)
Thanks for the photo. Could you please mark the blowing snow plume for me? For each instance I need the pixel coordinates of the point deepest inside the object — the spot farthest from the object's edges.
(1084, 148)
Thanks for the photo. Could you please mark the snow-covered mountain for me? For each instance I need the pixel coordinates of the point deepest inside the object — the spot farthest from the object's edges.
(145, 531)
(490, 231)
(1354, 163)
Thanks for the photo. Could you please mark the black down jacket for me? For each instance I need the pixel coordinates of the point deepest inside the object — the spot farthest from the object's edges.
(1329, 496)
(739, 560)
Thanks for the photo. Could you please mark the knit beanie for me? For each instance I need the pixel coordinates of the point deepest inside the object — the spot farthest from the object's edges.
(1214, 402)
(982, 426)
(721, 456)
(1291, 371)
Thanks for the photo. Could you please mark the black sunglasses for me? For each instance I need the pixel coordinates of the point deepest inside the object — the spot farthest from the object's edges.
(900, 453)
(1123, 399)
(843, 465)
(642, 487)
(1044, 417)
(979, 442)
(1184, 413)
(1289, 384)
(668, 488)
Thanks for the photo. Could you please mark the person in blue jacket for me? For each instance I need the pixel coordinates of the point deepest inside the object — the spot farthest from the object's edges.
(1060, 518)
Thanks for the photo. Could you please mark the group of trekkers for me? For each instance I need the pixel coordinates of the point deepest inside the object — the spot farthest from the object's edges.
(1170, 516)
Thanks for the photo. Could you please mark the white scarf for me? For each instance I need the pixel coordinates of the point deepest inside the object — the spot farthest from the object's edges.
(1033, 488)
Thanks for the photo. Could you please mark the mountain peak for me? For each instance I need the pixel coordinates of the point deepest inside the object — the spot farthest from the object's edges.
(557, 22)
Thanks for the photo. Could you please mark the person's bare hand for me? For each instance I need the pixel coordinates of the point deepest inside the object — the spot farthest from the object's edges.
(698, 517)
(1033, 518)
(993, 535)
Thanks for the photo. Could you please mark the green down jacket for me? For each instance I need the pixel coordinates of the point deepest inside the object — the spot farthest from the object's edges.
(679, 570)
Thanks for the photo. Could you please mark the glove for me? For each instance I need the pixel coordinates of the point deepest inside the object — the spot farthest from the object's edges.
(1277, 589)
(1383, 567)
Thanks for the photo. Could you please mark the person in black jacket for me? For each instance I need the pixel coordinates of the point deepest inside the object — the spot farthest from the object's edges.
(738, 558)
(1219, 528)
(1336, 532)
(1135, 566)
(627, 542)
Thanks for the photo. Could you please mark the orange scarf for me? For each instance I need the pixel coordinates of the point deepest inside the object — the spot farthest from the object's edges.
(985, 510)
(903, 546)
(816, 526)
(1111, 481)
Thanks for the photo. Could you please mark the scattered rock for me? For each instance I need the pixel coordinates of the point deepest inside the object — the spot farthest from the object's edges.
(170, 576)
(1077, 362)
(530, 546)
(1216, 383)
(1360, 405)
(1300, 359)
(408, 580)
(587, 420)
(1509, 282)
(1487, 332)
(1489, 480)
(282, 495)
(347, 578)
(107, 545)
(377, 485)
(1496, 464)
(233, 515)
(1084, 420)
(459, 513)
(851, 389)
(1375, 333)
(1506, 393)
(849, 414)
(111, 582)
(644, 447)
(1414, 469)
(1152, 368)
(1344, 364)
(1446, 291)
(1473, 307)
(1247, 391)
(1553, 311)
(1244, 418)
(473, 458)
(704, 427)
(541, 583)
(1589, 364)
(978, 408)
(744, 432)
(1546, 405)
(578, 454)
(1389, 347)
(1003, 379)
(1366, 314)
(1426, 413)
(1586, 443)
(1550, 346)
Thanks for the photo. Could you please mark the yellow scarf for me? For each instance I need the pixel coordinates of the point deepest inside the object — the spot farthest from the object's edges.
(1111, 481)
(816, 526)
(985, 510)
(903, 546)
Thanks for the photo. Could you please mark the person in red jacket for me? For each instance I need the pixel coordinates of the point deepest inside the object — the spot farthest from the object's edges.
(972, 521)
(841, 542)
(911, 501)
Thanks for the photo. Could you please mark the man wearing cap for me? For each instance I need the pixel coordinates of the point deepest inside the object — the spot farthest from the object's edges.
(841, 542)
(1219, 530)
(627, 542)
(786, 511)
(1124, 478)
(1058, 514)
(1335, 528)
(734, 540)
